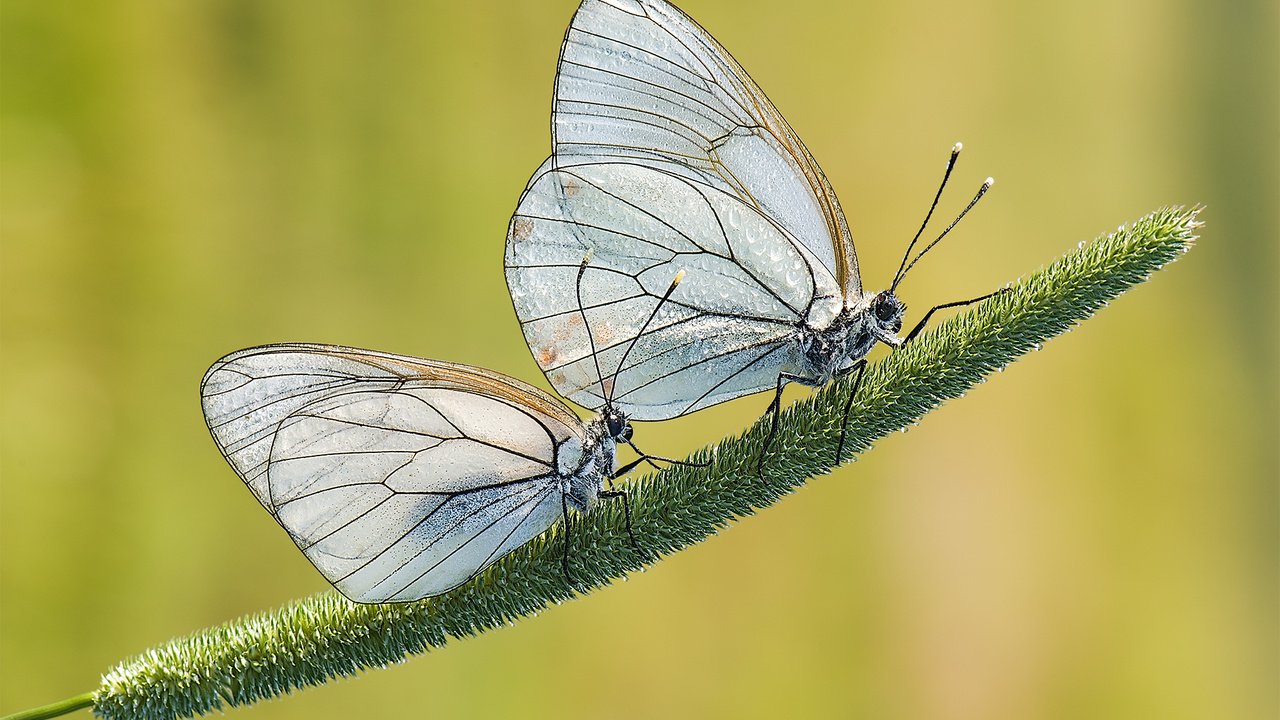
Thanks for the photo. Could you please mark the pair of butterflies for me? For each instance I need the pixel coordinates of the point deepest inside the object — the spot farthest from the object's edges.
(680, 248)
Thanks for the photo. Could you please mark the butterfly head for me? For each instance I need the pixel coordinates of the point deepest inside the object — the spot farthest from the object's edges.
(616, 424)
(886, 314)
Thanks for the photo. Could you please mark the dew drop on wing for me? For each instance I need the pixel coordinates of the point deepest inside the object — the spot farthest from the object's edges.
(733, 220)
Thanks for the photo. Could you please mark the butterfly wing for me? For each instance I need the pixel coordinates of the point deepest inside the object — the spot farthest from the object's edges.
(640, 80)
(399, 478)
(724, 332)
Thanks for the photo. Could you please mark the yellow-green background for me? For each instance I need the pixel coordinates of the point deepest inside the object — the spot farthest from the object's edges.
(1091, 534)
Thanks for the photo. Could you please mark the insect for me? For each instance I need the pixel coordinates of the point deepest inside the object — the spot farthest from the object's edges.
(401, 478)
(667, 158)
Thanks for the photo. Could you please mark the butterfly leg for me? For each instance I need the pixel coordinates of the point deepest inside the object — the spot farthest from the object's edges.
(626, 502)
(860, 368)
(625, 469)
(653, 460)
(564, 558)
(611, 494)
(960, 303)
(775, 407)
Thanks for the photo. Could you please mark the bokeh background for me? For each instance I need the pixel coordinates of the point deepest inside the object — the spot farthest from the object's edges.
(1091, 534)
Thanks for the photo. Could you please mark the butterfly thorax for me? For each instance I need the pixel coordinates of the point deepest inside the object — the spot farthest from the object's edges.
(584, 465)
(829, 351)
(823, 351)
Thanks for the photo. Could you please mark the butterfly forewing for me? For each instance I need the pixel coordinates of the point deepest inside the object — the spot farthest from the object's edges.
(399, 478)
(639, 79)
(246, 394)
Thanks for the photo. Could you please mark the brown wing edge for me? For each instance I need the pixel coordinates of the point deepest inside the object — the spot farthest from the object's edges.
(445, 375)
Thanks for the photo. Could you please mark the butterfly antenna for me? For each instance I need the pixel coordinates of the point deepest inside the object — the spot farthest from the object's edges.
(951, 165)
(622, 363)
(986, 185)
(582, 270)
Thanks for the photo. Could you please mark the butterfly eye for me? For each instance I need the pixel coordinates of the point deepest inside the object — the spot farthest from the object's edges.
(617, 426)
(885, 307)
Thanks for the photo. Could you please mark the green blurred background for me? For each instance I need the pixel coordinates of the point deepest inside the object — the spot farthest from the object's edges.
(1091, 534)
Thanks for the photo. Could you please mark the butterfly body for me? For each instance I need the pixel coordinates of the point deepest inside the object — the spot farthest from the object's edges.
(582, 465)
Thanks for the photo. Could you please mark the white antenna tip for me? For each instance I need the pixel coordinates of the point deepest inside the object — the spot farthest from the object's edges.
(958, 147)
(587, 258)
(679, 277)
(990, 181)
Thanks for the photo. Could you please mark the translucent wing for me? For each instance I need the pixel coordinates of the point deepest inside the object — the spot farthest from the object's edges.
(640, 80)
(724, 332)
(399, 478)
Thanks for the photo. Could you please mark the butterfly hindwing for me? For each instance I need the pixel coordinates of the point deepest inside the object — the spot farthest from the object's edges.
(722, 333)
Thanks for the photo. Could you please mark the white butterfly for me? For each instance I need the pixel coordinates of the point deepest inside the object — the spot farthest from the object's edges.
(401, 478)
(667, 158)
